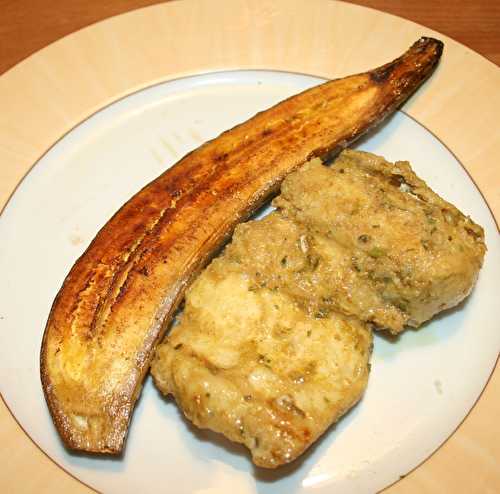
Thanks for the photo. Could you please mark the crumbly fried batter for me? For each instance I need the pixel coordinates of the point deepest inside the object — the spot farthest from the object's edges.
(405, 253)
(249, 362)
(275, 339)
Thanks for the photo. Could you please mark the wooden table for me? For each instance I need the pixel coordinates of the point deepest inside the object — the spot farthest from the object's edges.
(28, 25)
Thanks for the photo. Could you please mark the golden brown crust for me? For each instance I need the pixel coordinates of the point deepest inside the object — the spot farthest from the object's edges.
(118, 298)
(250, 361)
(402, 253)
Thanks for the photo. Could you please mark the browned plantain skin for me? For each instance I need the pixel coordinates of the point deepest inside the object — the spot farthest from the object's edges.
(118, 299)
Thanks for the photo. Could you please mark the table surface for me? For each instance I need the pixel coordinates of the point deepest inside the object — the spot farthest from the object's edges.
(28, 25)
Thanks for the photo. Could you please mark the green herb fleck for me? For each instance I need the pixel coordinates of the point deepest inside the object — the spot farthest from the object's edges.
(425, 244)
(376, 252)
(321, 314)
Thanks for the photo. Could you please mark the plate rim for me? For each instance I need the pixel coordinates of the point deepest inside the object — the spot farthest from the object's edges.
(33, 60)
(138, 91)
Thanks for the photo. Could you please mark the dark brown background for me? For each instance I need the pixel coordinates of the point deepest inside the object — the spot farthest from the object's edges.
(28, 25)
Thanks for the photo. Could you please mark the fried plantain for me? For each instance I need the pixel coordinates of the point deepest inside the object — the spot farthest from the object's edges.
(116, 302)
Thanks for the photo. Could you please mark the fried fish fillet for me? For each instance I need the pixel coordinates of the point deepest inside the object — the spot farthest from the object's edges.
(390, 250)
(118, 298)
(249, 362)
(275, 340)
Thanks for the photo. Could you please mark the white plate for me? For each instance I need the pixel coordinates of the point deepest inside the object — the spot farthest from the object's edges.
(420, 389)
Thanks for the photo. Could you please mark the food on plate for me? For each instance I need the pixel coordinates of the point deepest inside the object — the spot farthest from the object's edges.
(249, 362)
(275, 339)
(119, 297)
(392, 251)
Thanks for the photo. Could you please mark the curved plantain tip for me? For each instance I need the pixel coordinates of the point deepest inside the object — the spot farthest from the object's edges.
(418, 62)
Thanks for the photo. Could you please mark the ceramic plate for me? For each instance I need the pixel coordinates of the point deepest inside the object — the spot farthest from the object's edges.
(421, 386)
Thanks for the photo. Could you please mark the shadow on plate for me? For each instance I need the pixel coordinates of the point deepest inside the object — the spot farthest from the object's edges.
(438, 329)
(239, 457)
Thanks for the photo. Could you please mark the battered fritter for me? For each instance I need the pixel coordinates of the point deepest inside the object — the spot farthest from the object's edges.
(390, 250)
(275, 339)
(249, 362)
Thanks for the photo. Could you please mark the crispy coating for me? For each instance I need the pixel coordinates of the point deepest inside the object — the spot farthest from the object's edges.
(390, 250)
(251, 363)
(275, 340)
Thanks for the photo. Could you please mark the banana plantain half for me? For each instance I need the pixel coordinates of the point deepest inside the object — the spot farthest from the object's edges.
(118, 299)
